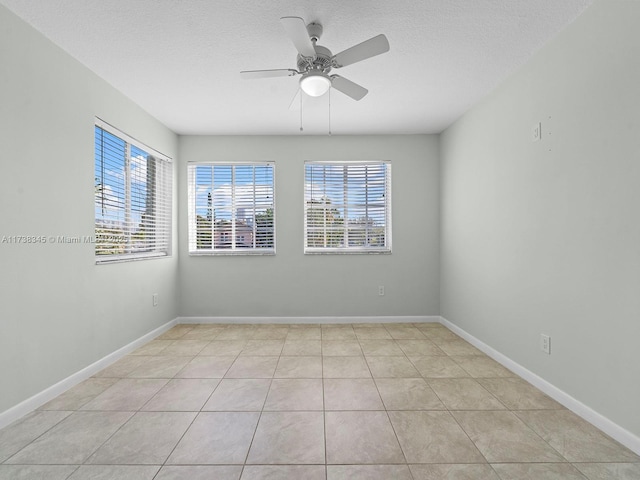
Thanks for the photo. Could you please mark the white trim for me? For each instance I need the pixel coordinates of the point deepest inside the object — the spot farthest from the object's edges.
(30, 404)
(129, 139)
(622, 435)
(311, 320)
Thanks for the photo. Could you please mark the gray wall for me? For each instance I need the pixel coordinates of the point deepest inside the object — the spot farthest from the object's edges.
(291, 284)
(545, 237)
(59, 312)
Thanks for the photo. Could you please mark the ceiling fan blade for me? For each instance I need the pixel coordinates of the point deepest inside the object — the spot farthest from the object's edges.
(297, 31)
(367, 49)
(347, 87)
(282, 72)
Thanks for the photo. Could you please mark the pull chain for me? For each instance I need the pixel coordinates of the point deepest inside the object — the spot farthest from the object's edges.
(301, 129)
(329, 112)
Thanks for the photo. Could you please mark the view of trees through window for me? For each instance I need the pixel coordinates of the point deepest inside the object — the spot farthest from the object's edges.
(231, 208)
(346, 206)
(132, 199)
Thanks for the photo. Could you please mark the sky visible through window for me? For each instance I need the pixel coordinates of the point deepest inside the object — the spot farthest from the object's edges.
(225, 190)
(110, 178)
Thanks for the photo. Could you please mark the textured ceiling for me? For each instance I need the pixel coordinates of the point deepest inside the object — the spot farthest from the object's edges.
(180, 59)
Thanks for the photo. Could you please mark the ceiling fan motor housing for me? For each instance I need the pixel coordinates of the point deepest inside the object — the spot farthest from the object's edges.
(321, 62)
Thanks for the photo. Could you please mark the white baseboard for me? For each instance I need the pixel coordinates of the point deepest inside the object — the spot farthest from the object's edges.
(30, 404)
(310, 320)
(615, 431)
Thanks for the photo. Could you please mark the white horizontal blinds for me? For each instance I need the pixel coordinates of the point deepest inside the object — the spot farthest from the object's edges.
(231, 208)
(347, 206)
(132, 199)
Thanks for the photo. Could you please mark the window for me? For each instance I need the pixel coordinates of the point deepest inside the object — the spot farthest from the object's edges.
(132, 198)
(347, 207)
(231, 208)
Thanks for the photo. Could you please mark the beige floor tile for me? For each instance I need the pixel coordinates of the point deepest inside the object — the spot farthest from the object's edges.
(115, 472)
(435, 408)
(216, 438)
(185, 472)
(238, 395)
(73, 440)
(419, 348)
(392, 367)
(380, 347)
(262, 347)
(345, 367)
(372, 333)
(302, 347)
(472, 471)
(175, 333)
(440, 334)
(234, 333)
(182, 395)
(253, 367)
(202, 332)
(351, 394)
(146, 439)
(154, 347)
(36, 472)
(481, 366)
(127, 394)
(292, 394)
(224, 348)
(81, 394)
(405, 333)
(408, 394)
(22, 432)
(184, 348)
(576, 439)
(339, 348)
(206, 367)
(284, 472)
(433, 437)
(355, 438)
(537, 471)
(502, 438)
(368, 472)
(464, 394)
(270, 333)
(610, 471)
(288, 438)
(299, 367)
(457, 347)
(159, 367)
(516, 394)
(310, 333)
(338, 333)
(123, 367)
(438, 367)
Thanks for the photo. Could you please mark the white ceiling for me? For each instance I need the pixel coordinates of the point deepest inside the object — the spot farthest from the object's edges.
(180, 59)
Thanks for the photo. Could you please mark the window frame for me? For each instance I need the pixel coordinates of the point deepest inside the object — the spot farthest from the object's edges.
(192, 238)
(348, 250)
(163, 201)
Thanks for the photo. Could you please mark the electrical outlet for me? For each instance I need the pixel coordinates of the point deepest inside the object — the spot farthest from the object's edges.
(381, 290)
(545, 343)
(155, 299)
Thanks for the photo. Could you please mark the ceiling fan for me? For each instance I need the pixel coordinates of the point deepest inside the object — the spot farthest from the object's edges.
(314, 62)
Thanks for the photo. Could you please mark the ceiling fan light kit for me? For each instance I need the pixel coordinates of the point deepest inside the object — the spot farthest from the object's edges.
(315, 83)
(314, 61)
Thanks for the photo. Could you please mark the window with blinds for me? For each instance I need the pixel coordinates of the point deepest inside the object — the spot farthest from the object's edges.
(132, 198)
(347, 207)
(231, 208)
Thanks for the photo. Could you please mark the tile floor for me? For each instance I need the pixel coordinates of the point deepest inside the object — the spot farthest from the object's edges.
(308, 402)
